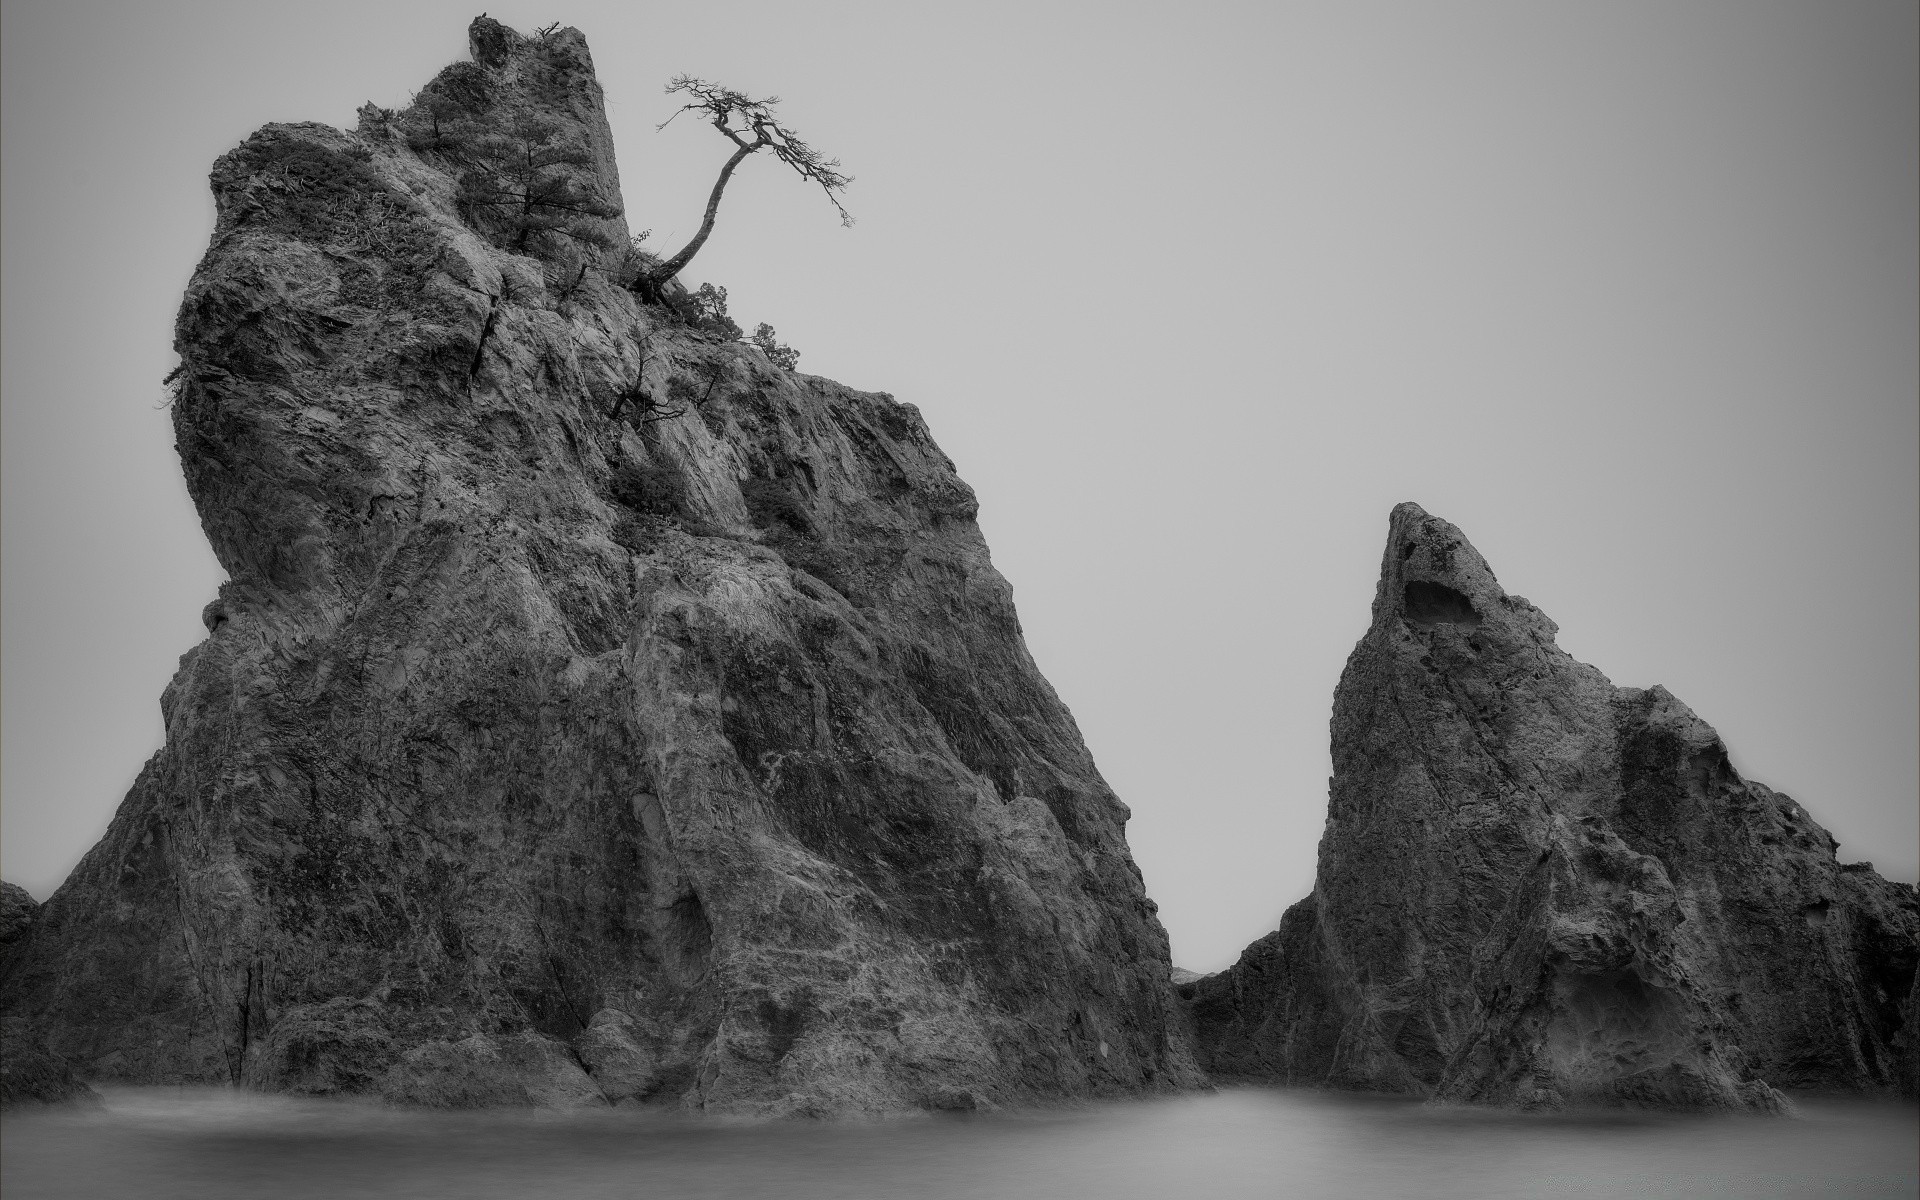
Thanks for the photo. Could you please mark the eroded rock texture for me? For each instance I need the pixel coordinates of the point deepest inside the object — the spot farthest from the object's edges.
(1537, 888)
(548, 747)
(17, 911)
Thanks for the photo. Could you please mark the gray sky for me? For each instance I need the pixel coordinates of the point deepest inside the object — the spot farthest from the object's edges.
(1192, 294)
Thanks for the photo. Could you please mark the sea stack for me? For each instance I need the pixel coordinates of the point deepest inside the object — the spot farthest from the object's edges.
(596, 711)
(1538, 889)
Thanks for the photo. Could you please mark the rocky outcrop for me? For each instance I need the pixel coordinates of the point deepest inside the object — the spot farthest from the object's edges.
(29, 1072)
(595, 709)
(17, 911)
(1536, 888)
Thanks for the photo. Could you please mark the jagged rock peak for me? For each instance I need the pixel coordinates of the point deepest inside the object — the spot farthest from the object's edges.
(1535, 888)
(1430, 574)
(596, 711)
(492, 43)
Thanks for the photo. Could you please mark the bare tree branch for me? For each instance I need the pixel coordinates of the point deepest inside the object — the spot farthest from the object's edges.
(750, 125)
(682, 394)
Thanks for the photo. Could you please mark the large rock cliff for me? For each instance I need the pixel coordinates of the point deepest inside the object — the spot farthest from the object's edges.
(596, 711)
(1537, 888)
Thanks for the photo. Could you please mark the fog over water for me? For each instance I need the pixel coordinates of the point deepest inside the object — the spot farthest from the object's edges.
(209, 1144)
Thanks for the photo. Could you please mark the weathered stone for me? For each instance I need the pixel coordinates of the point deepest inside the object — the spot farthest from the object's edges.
(526, 700)
(31, 1074)
(338, 1046)
(17, 910)
(1535, 888)
(618, 1052)
(526, 1068)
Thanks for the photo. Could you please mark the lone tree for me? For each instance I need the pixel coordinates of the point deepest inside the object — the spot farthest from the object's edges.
(750, 125)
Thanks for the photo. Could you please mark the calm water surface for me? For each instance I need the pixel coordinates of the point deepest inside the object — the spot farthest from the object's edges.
(211, 1145)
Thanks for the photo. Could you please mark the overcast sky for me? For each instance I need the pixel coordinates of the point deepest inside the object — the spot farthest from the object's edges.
(1192, 294)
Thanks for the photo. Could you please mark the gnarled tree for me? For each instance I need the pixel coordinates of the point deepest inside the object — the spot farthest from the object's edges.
(750, 125)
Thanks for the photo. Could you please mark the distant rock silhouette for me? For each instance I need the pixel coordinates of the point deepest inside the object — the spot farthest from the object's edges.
(547, 747)
(1536, 888)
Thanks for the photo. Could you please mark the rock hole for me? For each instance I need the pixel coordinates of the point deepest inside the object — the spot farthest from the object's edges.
(1429, 604)
(1816, 913)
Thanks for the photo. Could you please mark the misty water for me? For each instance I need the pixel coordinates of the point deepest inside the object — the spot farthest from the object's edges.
(210, 1144)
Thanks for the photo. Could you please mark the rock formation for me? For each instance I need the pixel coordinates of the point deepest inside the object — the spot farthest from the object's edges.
(29, 1072)
(17, 911)
(1536, 888)
(595, 710)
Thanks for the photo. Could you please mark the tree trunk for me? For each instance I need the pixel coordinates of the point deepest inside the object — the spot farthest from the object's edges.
(673, 266)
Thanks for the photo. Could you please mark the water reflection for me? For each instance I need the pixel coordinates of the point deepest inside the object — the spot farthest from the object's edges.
(210, 1145)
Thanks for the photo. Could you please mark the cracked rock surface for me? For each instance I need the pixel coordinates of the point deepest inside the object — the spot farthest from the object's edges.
(546, 748)
(1536, 888)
